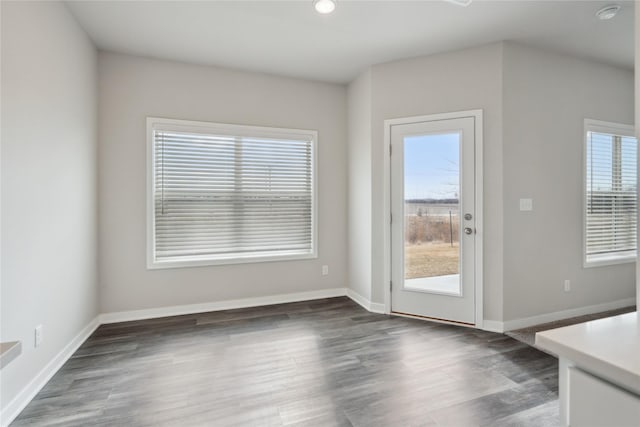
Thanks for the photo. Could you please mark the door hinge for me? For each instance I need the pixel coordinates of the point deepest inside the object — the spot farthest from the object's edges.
(390, 149)
(390, 285)
(390, 218)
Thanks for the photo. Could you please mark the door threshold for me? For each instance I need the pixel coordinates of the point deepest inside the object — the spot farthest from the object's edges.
(434, 319)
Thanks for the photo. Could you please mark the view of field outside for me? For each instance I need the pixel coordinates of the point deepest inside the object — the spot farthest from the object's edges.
(432, 220)
(432, 243)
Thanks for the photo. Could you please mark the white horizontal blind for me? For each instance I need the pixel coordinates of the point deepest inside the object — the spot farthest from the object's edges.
(611, 196)
(220, 196)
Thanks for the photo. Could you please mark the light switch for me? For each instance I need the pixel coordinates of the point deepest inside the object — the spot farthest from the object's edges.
(526, 204)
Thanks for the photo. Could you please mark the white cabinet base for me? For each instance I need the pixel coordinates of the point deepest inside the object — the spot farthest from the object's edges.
(599, 379)
(593, 402)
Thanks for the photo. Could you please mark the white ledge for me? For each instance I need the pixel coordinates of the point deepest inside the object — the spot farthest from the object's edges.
(9, 351)
(608, 348)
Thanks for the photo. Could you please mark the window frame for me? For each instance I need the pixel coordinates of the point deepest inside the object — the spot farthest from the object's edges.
(612, 128)
(158, 123)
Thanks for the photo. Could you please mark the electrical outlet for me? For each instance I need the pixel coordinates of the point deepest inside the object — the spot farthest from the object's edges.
(325, 270)
(526, 204)
(38, 336)
(567, 285)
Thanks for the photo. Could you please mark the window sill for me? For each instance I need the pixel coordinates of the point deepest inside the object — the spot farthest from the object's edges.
(186, 262)
(604, 261)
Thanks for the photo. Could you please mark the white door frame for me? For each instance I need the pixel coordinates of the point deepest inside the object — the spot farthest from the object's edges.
(477, 115)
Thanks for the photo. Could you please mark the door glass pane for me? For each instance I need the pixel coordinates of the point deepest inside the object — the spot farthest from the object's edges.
(431, 213)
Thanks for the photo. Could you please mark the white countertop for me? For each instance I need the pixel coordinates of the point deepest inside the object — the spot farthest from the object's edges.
(608, 348)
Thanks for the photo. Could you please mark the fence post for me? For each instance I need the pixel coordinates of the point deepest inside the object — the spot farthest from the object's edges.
(450, 229)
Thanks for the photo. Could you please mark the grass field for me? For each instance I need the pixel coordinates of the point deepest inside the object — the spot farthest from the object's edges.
(430, 259)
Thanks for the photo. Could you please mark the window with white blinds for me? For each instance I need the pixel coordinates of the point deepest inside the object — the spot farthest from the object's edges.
(224, 194)
(611, 202)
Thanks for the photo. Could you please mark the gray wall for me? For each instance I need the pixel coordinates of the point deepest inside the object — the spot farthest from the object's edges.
(359, 161)
(547, 96)
(637, 123)
(534, 104)
(49, 216)
(456, 81)
(132, 88)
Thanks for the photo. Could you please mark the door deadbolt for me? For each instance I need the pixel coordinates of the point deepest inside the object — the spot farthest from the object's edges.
(468, 217)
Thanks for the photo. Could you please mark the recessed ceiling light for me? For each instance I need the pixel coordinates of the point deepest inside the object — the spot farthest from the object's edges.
(324, 6)
(608, 12)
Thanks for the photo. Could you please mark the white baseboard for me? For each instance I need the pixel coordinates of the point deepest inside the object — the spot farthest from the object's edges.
(365, 303)
(13, 409)
(511, 325)
(176, 310)
(493, 326)
(377, 308)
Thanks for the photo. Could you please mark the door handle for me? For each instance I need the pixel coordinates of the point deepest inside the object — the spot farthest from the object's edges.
(468, 230)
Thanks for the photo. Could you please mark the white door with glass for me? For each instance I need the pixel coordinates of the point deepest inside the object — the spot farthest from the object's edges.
(433, 212)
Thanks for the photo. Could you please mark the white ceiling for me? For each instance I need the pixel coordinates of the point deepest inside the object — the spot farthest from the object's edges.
(290, 38)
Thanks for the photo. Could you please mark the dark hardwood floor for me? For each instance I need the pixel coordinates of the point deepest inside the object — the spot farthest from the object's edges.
(316, 363)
